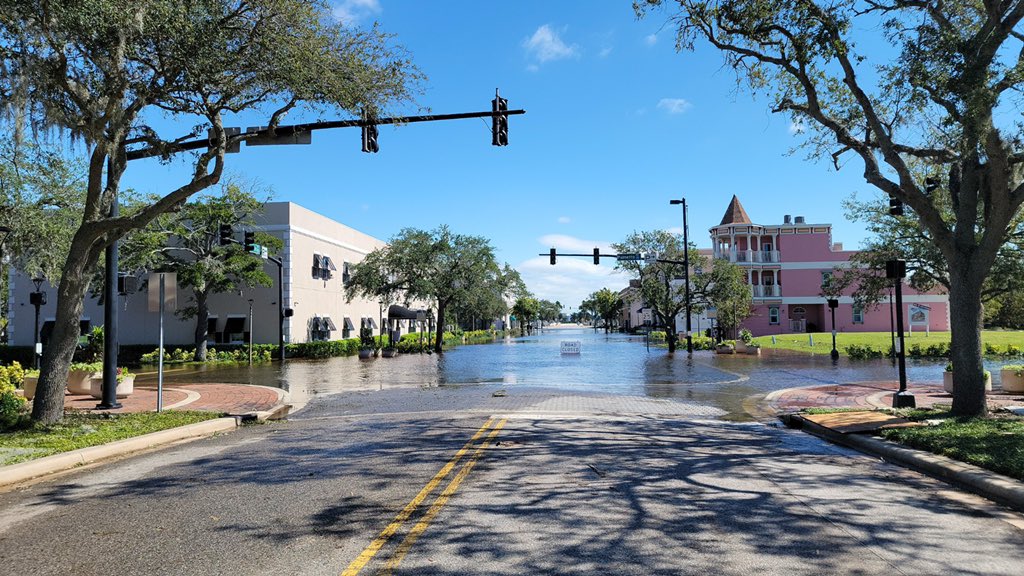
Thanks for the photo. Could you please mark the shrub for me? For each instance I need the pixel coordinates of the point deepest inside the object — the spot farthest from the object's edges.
(1013, 350)
(862, 352)
(11, 376)
(991, 350)
(87, 366)
(949, 367)
(656, 336)
(938, 350)
(1017, 369)
(13, 410)
(746, 336)
(703, 343)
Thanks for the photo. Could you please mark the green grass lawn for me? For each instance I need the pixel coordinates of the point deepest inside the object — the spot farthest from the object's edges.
(84, 430)
(879, 340)
(995, 443)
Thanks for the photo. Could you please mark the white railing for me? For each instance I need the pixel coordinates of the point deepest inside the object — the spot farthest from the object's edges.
(769, 291)
(762, 256)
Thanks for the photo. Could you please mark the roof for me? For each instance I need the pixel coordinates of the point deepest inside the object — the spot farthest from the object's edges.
(735, 214)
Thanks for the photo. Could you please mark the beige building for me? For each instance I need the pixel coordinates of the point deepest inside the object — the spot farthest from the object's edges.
(317, 254)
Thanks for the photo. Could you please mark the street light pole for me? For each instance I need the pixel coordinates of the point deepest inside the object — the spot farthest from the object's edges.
(250, 331)
(686, 276)
(37, 299)
(110, 341)
(833, 303)
(896, 270)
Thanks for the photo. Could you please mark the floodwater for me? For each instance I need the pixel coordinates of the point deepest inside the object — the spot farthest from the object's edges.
(608, 363)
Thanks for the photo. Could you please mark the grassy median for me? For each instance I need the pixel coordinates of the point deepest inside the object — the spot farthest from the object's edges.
(995, 443)
(78, 430)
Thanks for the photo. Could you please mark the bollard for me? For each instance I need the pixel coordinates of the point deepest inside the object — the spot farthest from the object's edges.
(810, 338)
(773, 340)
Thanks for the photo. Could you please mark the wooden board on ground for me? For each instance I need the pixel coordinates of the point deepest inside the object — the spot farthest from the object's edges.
(858, 422)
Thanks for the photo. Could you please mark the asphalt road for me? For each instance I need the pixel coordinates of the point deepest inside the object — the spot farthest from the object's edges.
(460, 481)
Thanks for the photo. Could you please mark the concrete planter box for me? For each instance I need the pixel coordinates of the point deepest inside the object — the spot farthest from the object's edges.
(753, 350)
(28, 386)
(1012, 382)
(947, 382)
(365, 353)
(725, 349)
(124, 388)
(80, 381)
(389, 352)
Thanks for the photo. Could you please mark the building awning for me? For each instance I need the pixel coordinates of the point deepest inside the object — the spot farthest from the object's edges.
(327, 263)
(327, 324)
(348, 324)
(372, 322)
(318, 261)
(396, 312)
(234, 325)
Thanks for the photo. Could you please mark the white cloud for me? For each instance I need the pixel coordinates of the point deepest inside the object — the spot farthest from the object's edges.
(573, 244)
(353, 11)
(546, 45)
(797, 127)
(674, 105)
(651, 39)
(570, 280)
(604, 52)
(677, 230)
(564, 219)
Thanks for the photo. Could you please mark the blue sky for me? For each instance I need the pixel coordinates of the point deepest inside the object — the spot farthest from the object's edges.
(617, 124)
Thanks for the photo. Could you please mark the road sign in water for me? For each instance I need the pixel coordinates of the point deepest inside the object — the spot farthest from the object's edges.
(571, 346)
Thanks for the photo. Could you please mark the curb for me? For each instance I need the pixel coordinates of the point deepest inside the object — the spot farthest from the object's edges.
(991, 485)
(16, 473)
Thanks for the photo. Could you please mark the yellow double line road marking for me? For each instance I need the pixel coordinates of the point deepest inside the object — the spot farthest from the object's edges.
(370, 551)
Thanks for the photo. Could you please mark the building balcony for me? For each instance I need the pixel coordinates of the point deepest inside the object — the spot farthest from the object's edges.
(769, 291)
(749, 256)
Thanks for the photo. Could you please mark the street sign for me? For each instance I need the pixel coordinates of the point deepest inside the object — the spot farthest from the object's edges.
(711, 312)
(170, 290)
(628, 257)
(571, 346)
(268, 140)
(650, 258)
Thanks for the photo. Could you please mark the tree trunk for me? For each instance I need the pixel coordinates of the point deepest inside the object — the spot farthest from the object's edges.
(439, 337)
(965, 345)
(202, 325)
(48, 404)
(671, 338)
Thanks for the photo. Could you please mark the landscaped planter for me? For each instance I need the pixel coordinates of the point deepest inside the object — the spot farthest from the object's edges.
(80, 381)
(365, 353)
(124, 388)
(389, 352)
(753, 350)
(947, 382)
(725, 349)
(741, 347)
(1011, 381)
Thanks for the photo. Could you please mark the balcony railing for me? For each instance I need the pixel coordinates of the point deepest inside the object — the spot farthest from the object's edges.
(769, 291)
(754, 256)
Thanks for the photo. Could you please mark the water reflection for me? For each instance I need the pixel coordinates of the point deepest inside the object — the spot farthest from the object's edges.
(610, 363)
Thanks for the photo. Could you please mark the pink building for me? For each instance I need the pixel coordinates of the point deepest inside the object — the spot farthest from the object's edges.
(786, 265)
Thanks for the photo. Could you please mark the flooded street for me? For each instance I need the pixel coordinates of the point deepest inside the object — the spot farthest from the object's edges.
(608, 363)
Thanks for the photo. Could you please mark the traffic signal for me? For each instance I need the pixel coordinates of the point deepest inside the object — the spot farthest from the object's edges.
(552, 255)
(369, 135)
(225, 234)
(499, 123)
(370, 139)
(895, 206)
(250, 241)
(895, 269)
(597, 256)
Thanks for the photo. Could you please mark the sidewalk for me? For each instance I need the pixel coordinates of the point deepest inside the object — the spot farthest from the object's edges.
(231, 399)
(872, 395)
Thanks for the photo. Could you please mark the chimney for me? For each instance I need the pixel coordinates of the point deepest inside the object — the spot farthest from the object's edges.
(799, 220)
(787, 219)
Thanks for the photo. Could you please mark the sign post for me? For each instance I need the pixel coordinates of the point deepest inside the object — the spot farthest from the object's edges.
(158, 301)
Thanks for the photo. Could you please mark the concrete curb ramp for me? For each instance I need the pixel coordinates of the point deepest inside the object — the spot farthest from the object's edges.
(991, 485)
(23, 471)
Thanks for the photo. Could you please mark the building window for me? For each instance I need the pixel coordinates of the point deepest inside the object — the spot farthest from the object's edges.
(323, 266)
(858, 315)
(825, 277)
(345, 272)
(773, 315)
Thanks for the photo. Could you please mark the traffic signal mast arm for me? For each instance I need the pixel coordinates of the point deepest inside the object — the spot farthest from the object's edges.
(596, 255)
(294, 129)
